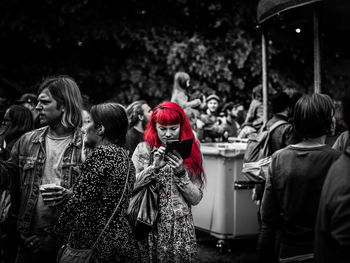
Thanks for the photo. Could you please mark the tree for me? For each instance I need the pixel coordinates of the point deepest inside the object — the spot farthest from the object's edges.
(126, 50)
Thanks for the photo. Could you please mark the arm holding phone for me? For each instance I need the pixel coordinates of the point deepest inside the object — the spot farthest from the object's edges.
(145, 171)
(192, 191)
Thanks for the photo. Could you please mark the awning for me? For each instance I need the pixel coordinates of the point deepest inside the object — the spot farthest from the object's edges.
(267, 9)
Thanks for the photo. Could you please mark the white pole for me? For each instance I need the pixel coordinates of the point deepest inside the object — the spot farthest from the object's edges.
(317, 53)
(264, 74)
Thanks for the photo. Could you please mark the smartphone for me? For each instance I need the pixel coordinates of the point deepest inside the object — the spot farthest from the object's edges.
(184, 148)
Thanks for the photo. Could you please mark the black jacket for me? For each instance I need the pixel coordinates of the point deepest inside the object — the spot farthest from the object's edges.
(332, 232)
(291, 198)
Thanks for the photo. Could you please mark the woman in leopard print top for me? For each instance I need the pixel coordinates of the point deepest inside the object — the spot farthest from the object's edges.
(99, 189)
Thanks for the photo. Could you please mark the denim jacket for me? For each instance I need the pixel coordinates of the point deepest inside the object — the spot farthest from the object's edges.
(185, 192)
(24, 170)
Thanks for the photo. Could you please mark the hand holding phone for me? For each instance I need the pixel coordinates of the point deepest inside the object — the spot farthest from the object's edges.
(175, 161)
(183, 148)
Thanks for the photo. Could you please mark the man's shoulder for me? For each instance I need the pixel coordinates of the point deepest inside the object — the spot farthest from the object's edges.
(38, 134)
(341, 167)
(343, 137)
(134, 135)
(338, 177)
(34, 134)
(286, 151)
(133, 131)
(332, 152)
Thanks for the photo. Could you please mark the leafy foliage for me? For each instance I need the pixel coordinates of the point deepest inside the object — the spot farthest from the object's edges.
(126, 50)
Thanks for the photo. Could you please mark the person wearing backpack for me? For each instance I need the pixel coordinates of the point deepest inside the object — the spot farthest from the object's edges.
(281, 131)
(283, 134)
(275, 135)
(294, 182)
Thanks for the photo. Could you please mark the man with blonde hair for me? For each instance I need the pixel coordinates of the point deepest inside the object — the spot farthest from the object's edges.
(139, 114)
(43, 168)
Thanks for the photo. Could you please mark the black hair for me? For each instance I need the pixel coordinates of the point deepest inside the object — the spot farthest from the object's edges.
(114, 119)
(313, 116)
(21, 122)
(279, 102)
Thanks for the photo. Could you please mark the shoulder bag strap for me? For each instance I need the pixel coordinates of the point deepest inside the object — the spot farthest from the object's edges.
(277, 124)
(271, 129)
(115, 210)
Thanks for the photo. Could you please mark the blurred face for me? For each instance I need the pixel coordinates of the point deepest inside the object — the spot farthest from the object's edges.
(49, 112)
(29, 106)
(213, 105)
(6, 122)
(334, 124)
(92, 134)
(168, 132)
(86, 120)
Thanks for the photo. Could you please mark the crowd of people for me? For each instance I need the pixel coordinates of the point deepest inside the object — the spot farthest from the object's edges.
(98, 184)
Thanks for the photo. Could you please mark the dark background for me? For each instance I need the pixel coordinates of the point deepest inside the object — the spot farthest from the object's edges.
(127, 49)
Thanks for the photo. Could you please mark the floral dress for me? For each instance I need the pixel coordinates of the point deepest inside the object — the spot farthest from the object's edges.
(95, 197)
(173, 238)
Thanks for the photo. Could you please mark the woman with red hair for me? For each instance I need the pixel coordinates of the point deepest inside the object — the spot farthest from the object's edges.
(179, 181)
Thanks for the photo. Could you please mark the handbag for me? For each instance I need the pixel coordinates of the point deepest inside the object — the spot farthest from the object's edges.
(67, 254)
(143, 209)
(143, 206)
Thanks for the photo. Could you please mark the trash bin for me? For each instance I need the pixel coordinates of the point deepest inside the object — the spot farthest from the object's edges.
(226, 210)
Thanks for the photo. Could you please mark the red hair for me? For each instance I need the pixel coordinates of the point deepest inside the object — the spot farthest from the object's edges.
(169, 113)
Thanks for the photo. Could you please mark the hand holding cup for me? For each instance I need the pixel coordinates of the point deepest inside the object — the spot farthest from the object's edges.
(53, 194)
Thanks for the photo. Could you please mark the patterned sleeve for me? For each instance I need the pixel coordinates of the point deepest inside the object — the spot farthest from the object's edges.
(88, 189)
(191, 190)
(142, 162)
(90, 185)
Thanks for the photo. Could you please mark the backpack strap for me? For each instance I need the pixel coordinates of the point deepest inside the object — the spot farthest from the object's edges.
(276, 125)
(272, 128)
